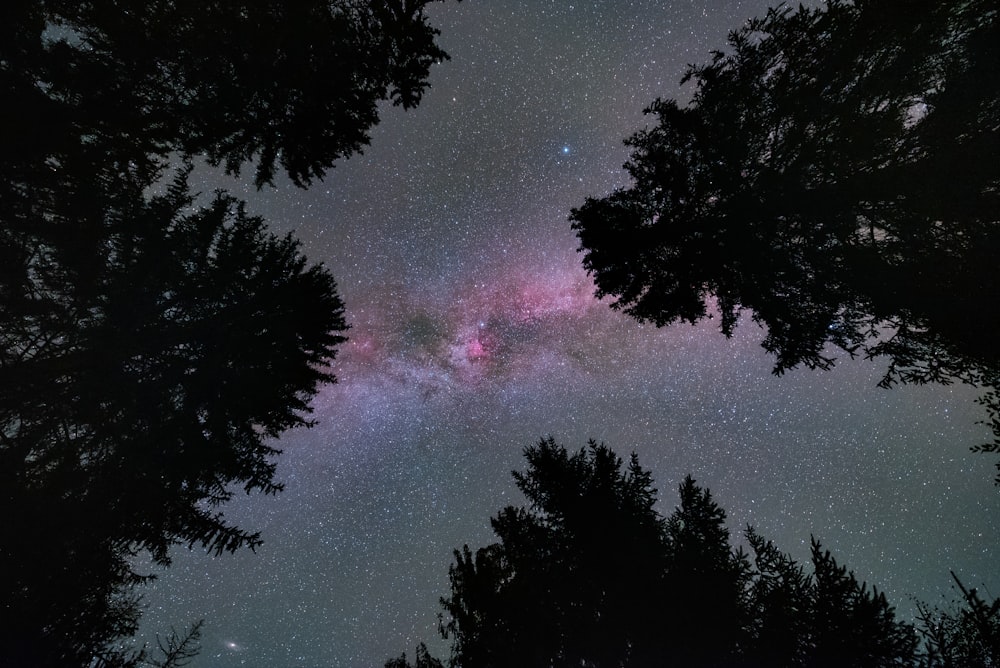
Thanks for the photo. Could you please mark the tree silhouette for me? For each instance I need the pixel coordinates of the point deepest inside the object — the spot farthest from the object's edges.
(778, 631)
(423, 660)
(826, 618)
(850, 625)
(967, 635)
(834, 174)
(706, 580)
(570, 581)
(154, 342)
(143, 375)
(591, 575)
(290, 84)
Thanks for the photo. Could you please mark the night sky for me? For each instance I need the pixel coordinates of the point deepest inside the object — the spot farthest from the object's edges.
(475, 332)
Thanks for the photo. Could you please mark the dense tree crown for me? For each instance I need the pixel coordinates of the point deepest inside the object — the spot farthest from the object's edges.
(589, 574)
(153, 341)
(836, 175)
(295, 84)
(144, 369)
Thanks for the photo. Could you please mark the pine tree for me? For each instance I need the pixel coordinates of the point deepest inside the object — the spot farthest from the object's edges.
(706, 579)
(834, 177)
(850, 624)
(573, 578)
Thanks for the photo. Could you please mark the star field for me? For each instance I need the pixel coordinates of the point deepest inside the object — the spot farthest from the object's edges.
(475, 332)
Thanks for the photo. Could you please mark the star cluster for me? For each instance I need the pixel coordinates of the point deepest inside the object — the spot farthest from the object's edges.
(475, 332)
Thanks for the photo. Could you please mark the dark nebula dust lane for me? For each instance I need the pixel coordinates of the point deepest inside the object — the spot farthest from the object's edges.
(475, 331)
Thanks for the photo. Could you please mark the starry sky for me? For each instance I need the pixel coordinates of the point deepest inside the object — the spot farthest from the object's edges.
(475, 332)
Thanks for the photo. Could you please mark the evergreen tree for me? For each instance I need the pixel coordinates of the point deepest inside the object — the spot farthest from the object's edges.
(852, 625)
(835, 176)
(144, 372)
(423, 660)
(706, 579)
(590, 575)
(289, 84)
(965, 635)
(573, 579)
(779, 603)
(151, 347)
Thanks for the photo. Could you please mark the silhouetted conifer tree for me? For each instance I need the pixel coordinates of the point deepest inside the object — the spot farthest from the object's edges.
(966, 635)
(590, 575)
(144, 372)
(574, 578)
(151, 350)
(834, 175)
(779, 599)
(295, 85)
(423, 660)
(704, 614)
(851, 625)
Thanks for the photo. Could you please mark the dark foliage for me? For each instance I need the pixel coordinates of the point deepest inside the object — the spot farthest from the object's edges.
(565, 583)
(965, 635)
(295, 84)
(835, 175)
(780, 631)
(591, 575)
(850, 625)
(153, 342)
(708, 576)
(423, 660)
(152, 353)
(177, 650)
(172, 651)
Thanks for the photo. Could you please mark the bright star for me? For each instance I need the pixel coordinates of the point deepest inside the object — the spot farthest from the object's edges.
(565, 150)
